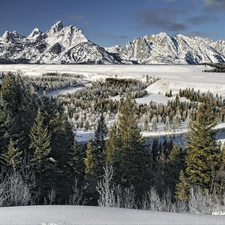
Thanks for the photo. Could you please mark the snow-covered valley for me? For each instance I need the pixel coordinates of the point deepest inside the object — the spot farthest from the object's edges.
(171, 77)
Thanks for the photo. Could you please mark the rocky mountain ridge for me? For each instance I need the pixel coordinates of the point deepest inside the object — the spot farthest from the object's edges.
(162, 49)
(59, 45)
(68, 45)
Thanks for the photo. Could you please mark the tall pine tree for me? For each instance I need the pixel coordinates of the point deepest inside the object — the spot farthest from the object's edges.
(12, 158)
(203, 153)
(95, 158)
(76, 161)
(128, 153)
(40, 147)
(40, 142)
(62, 139)
(21, 106)
(175, 163)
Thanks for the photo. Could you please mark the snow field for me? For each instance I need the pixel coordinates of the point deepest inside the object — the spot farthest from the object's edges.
(88, 215)
(173, 77)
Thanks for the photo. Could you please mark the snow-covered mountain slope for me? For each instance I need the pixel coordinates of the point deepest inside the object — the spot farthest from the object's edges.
(58, 45)
(162, 49)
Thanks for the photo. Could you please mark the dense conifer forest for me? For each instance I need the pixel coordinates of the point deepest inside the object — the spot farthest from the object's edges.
(42, 163)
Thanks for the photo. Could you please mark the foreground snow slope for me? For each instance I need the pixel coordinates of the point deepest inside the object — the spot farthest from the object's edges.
(71, 215)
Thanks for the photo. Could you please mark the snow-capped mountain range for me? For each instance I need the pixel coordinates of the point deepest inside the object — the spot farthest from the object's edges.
(180, 49)
(57, 45)
(68, 45)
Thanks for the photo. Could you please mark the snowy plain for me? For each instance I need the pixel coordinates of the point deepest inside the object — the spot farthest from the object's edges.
(172, 77)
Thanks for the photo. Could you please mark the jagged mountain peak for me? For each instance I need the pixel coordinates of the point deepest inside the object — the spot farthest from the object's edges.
(11, 36)
(55, 28)
(6, 34)
(35, 32)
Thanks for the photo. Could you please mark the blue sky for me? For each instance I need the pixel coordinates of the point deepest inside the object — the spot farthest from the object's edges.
(111, 22)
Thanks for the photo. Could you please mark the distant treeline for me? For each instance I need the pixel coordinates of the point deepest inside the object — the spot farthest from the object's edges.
(216, 67)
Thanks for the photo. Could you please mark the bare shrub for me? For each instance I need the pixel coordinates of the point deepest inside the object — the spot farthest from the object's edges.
(118, 192)
(154, 200)
(166, 203)
(106, 189)
(77, 198)
(181, 206)
(51, 197)
(204, 203)
(129, 198)
(14, 191)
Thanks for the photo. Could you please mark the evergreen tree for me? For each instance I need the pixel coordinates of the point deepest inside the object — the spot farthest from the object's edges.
(111, 145)
(62, 139)
(10, 93)
(90, 161)
(49, 107)
(155, 152)
(95, 158)
(40, 142)
(220, 178)
(12, 158)
(175, 163)
(129, 156)
(41, 147)
(182, 188)
(159, 176)
(4, 127)
(76, 161)
(20, 106)
(203, 153)
(77, 168)
(100, 133)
